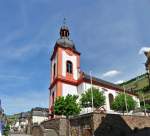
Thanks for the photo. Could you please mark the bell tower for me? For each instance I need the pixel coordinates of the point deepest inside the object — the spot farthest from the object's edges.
(65, 66)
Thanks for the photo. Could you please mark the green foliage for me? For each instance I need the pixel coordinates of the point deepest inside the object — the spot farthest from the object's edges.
(59, 106)
(141, 81)
(119, 103)
(98, 98)
(6, 130)
(144, 89)
(147, 106)
(67, 106)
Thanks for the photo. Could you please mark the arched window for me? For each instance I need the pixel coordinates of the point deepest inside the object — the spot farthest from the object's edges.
(53, 98)
(111, 99)
(69, 67)
(54, 69)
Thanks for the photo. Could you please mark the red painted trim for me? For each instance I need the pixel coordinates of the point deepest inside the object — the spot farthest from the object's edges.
(81, 80)
(67, 81)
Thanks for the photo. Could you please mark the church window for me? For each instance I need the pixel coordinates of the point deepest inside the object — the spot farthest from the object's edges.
(111, 99)
(54, 69)
(69, 67)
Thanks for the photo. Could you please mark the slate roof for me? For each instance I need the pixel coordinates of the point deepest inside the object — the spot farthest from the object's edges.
(64, 40)
(104, 83)
(66, 43)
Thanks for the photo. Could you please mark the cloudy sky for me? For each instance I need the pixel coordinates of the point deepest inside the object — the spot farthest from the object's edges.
(110, 34)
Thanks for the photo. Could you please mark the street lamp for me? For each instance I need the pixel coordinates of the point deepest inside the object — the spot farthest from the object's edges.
(144, 104)
(125, 99)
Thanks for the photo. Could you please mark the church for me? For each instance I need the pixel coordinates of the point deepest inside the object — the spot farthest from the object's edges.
(68, 78)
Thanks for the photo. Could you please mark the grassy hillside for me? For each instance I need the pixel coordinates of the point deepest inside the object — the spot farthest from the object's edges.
(136, 83)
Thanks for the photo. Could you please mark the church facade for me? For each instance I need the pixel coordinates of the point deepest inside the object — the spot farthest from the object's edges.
(67, 78)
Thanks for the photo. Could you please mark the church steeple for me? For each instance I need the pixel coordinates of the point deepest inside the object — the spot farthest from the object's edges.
(64, 39)
(65, 64)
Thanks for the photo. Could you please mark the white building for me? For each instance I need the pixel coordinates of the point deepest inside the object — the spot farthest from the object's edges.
(67, 78)
(38, 115)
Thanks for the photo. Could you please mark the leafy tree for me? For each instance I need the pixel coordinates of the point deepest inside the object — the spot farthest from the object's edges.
(6, 130)
(98, 98)
(67, 105)
(59, 106)
(119, 103)
(147, 106)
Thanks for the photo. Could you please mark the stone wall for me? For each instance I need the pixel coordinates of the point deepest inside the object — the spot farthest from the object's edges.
(97, 124)
(108, 125)
(54, 127)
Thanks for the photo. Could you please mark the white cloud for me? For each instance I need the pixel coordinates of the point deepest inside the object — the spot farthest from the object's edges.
(119, 82)
(144, 49)
(111, 73)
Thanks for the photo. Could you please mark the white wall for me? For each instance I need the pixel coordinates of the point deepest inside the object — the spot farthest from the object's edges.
(54, 61)
(73, 59)
(84, 86)
(38, 119)
(68, 89)
(80, 88)
(137, 100)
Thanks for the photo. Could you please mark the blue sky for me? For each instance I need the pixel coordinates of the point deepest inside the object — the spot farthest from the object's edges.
(109, 34)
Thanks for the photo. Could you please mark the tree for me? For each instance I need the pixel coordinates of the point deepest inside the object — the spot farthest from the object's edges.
(67, 105)
(98, 98)
(59, 106)
(119, 103)
(6, 130)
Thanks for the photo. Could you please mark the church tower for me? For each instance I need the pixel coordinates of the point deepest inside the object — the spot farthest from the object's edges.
(65, 65)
